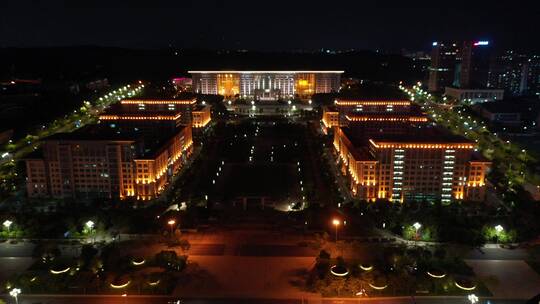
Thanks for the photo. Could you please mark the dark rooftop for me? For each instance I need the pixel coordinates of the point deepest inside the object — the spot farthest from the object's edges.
(98, 132)
(414, 110)
(511, 106)
(412, 133)
(373, 92)
(159, 92)
(422, 134)
(129, 110)
(147, 143)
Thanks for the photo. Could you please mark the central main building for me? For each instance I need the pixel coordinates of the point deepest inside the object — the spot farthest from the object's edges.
(266, 85)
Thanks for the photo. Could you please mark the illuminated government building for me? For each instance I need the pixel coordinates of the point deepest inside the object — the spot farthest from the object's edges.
(391, 151)
(266, 85)
(133, 152)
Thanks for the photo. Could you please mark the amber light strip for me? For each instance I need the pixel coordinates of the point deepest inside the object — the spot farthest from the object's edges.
(367, 118)
(372, 103)
(170, 101)
(158, 117)
(262, 72)
(384, 145)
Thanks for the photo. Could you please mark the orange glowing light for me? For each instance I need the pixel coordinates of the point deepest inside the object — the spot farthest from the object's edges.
(373, 103)
(390, 119)
(153, 102)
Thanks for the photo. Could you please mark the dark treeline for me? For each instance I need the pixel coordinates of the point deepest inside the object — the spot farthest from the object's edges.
(120, 65)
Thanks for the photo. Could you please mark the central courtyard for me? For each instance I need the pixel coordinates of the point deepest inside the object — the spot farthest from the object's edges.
(257, 163)
(261, 163)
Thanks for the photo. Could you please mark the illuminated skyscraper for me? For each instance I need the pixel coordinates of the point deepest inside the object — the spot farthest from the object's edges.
(475, 60)
(443, 64)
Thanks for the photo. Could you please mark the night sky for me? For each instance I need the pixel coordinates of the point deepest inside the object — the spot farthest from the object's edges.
(267, 24)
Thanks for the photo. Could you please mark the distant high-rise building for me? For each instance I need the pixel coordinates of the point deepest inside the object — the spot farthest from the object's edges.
(463, 66)
(443, 63)
(517, 74)
(475, 59)
(509, 72)
(533, 75)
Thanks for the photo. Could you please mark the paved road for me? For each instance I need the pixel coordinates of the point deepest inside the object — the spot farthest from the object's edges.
(275, 250)
(497, 254)
(167, 300)
(207, 249)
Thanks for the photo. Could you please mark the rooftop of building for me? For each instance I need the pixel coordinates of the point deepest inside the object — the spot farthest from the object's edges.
(362, 153)
(474, 89)
(411, 133)
(516, 105)
(423, 134)
(201, 107)
(119, 109)
(158, 92)
(148, 143)
(414, 110)
(373, 92)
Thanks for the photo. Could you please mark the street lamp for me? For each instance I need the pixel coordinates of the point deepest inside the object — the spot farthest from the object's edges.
(472, 298)
(417, 226)
(171, 223)
(499, 229)
(15, 293)
(7, 224)
(336, 224)
(90, 225)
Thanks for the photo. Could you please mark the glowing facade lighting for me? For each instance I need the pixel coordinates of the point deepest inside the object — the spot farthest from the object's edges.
(140, 117)
(160, 102)
(355, 118)
(373, 102)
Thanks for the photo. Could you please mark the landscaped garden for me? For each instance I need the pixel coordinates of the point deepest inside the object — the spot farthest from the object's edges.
(394, 271)
(101, 270)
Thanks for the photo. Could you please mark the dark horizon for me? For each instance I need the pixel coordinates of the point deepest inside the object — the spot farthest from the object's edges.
(275, 26)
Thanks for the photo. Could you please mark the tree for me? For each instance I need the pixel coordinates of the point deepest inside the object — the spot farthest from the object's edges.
(87, 253)
(184, 244)
(409, 232)
(170, 260)
(337, 285)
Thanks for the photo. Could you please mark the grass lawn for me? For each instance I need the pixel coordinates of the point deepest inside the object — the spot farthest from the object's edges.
(272, 180)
